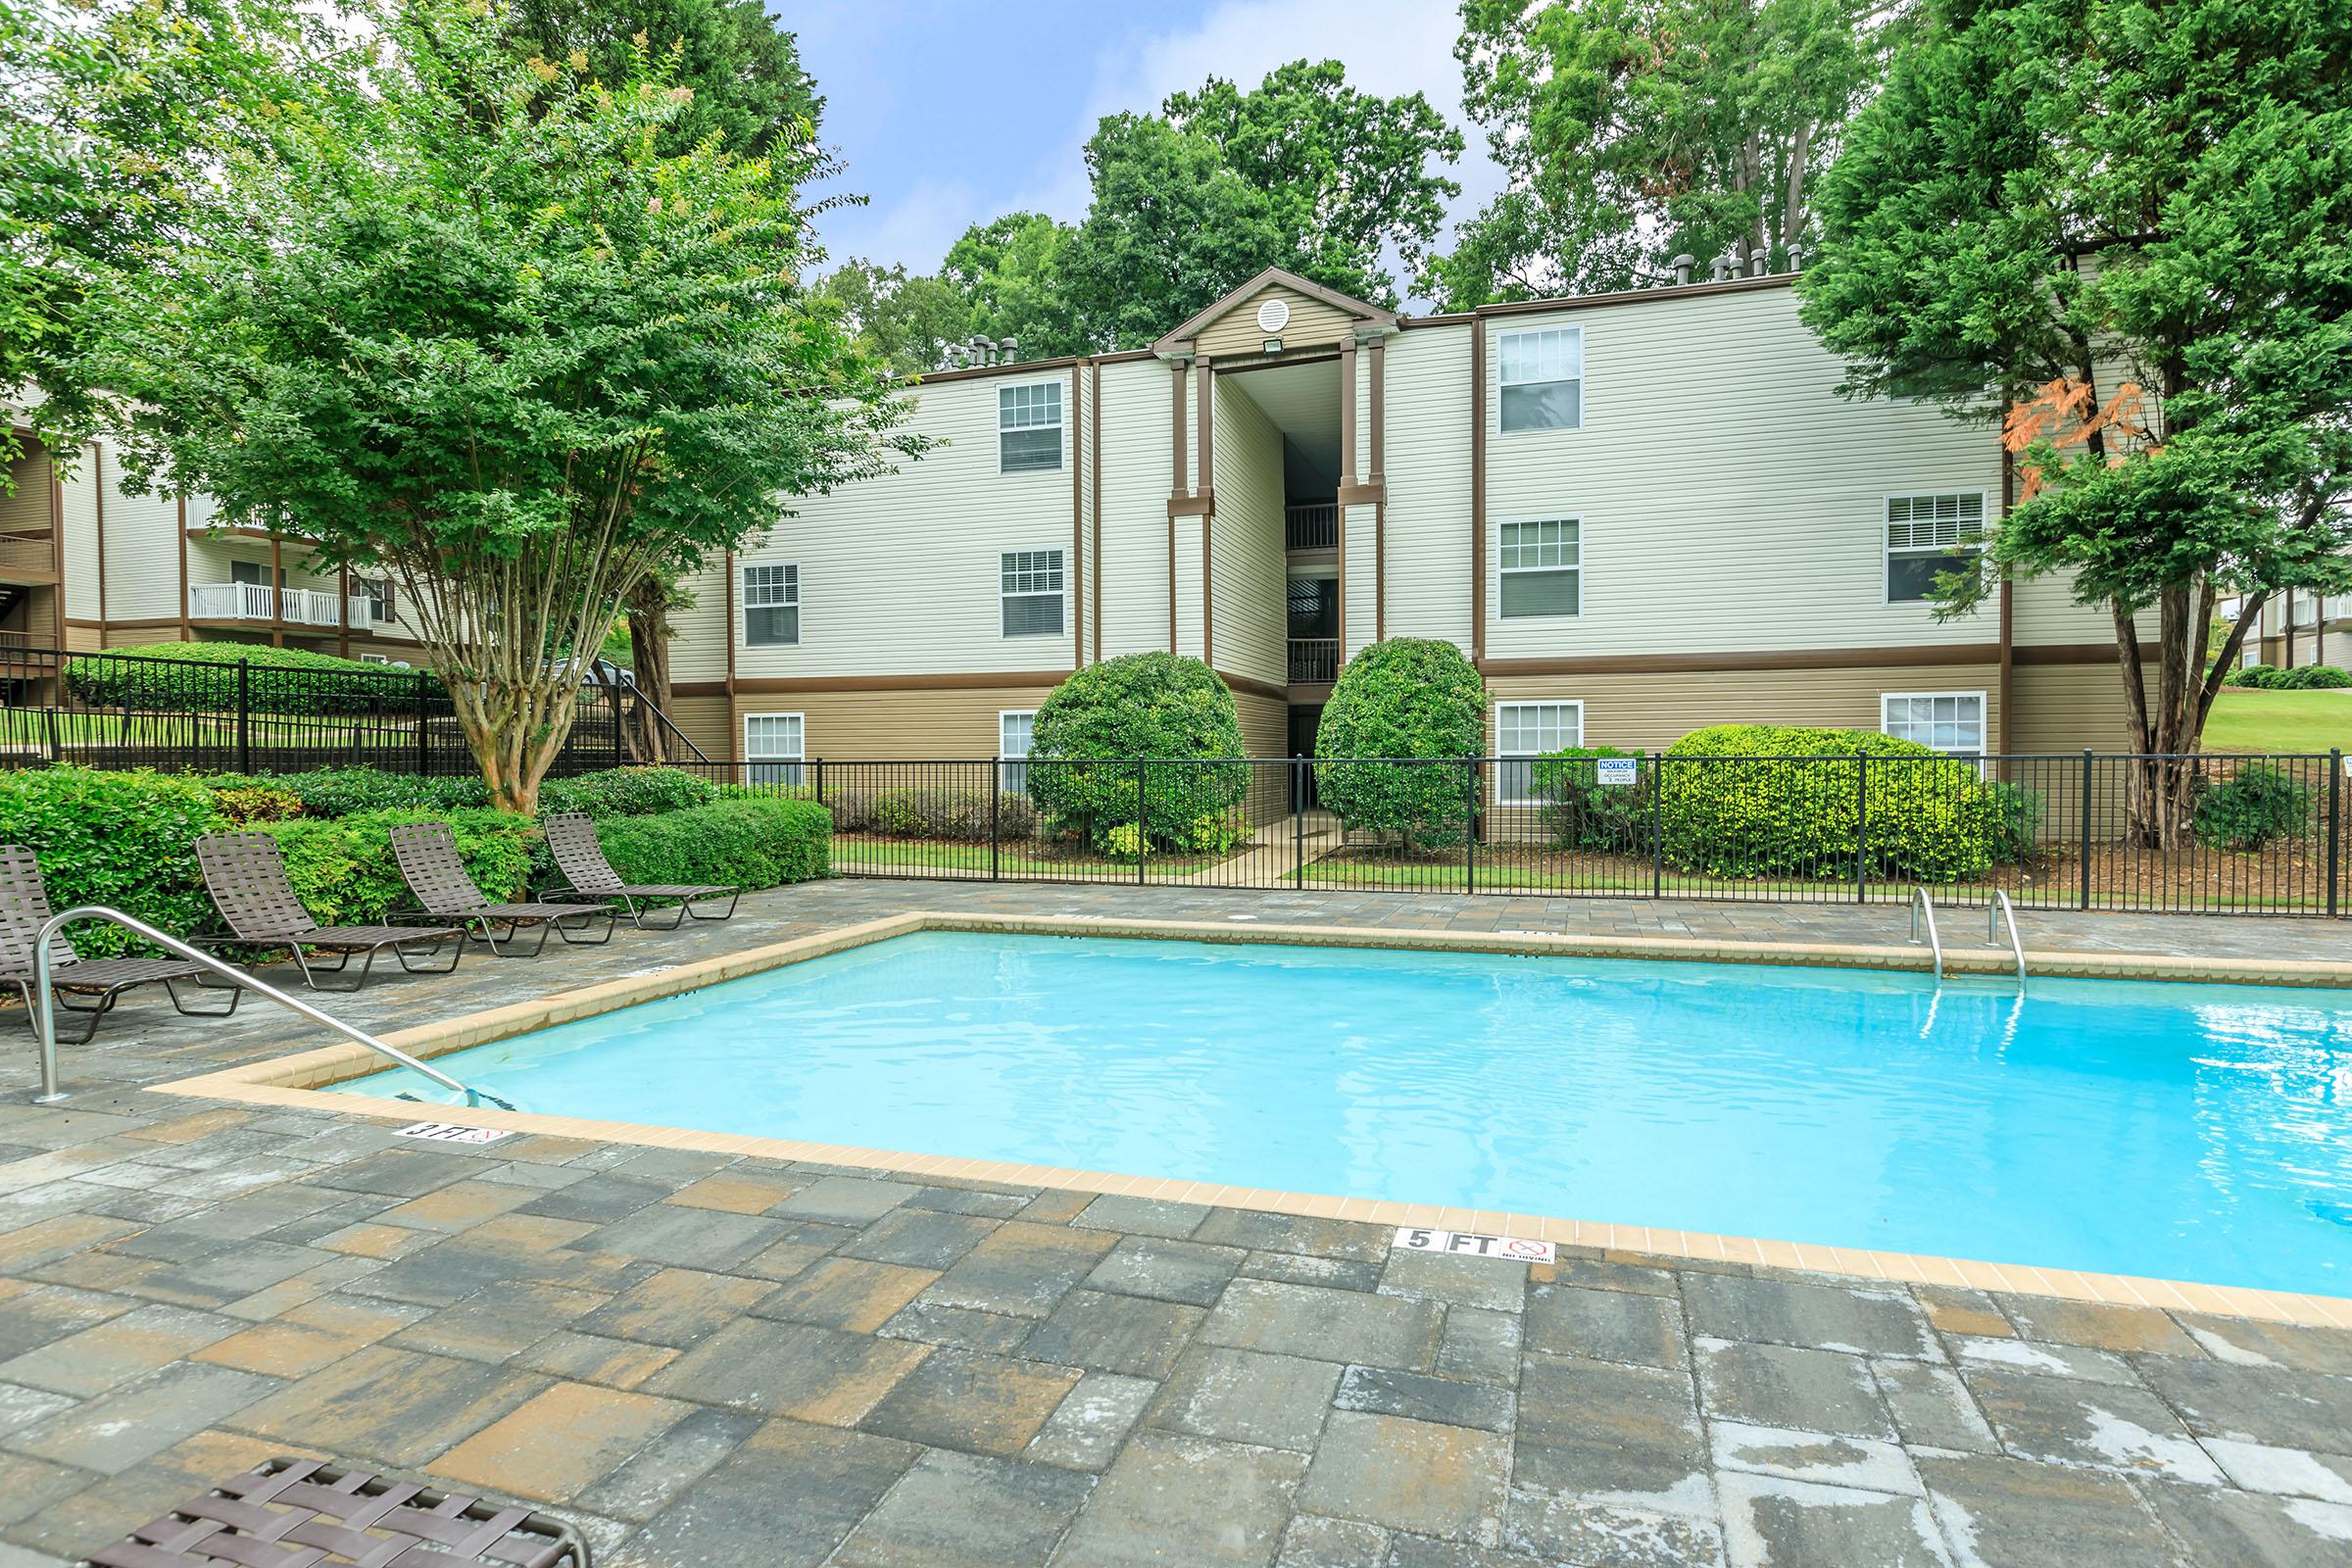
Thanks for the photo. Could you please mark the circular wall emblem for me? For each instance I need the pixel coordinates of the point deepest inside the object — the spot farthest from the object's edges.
(1273, 316)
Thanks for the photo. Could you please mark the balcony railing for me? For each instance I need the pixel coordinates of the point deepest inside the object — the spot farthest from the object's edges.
(1315, 526)
(1314, 660)
(258, 601)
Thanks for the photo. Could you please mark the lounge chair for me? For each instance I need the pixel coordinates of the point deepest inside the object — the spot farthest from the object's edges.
(246, 875)
(25, 910)
(427, 852)
(571, 839)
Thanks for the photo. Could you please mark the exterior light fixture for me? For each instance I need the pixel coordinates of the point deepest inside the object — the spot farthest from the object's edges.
(1272, 345)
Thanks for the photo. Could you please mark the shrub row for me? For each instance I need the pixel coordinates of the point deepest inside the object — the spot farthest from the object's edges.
(293, 679)
(333, 792)
(2299, 678)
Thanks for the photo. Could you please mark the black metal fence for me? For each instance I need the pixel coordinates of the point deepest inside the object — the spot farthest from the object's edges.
(2207, 834)
(106, 710)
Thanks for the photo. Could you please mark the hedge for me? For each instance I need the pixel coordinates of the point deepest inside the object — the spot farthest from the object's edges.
(124, 839)
(1092, 726)
(1756, 800)
(1409, 697)
(2256, 804)
(344, 872)
(331, 791)
(627, 791)
(121, 676)
(1581, 813)
(2298, 678)
(750, 842)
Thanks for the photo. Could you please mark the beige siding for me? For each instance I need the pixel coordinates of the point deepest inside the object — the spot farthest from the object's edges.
(143, 555)
(1651, 711)
(1312, 325)
(1188, 587)
(1427, 441)
(1362, 525)
(698, 648)
(703, 720)
(82, 541)
(1136, 475)
(25, 502)
(2066, 708)
(888, 726)
(1251, 622)
(1265, 724)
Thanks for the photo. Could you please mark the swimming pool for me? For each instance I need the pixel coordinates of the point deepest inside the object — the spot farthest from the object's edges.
(2185, 1132)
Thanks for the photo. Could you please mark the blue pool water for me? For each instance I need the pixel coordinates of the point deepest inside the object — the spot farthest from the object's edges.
(2188, 1132)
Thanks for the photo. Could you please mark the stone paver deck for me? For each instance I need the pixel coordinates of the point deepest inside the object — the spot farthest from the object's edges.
(713, 1360)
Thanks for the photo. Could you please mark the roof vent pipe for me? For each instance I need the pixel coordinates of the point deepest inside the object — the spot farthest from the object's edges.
(1759, 263)
(1796, 259)
(1682, 266)
(1723, 267)
(1011, 349)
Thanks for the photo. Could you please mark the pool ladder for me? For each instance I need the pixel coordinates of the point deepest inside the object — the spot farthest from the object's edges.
(1995, 913)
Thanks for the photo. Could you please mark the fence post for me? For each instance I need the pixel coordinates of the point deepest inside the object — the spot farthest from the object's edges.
(821, 781)
(244, 715)
(1861, 827)
(2084, 833)
(1298, 821)
(423, 751)
(1139, 821)
(1470, 823)
(2336, 821)
(996, 786)
(1657, 825)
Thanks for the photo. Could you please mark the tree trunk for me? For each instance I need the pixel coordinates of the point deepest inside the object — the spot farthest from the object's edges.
(650, 632)
(516, 732)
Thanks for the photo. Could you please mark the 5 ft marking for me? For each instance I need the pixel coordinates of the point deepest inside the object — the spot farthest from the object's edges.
(1471, 1243)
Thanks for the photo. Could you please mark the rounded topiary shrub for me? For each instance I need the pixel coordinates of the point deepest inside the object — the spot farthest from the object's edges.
(1409, 697)
(1759, 800)
(2252, 675)
(1157, 708)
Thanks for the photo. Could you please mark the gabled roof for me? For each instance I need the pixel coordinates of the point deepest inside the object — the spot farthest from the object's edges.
(1190, 328)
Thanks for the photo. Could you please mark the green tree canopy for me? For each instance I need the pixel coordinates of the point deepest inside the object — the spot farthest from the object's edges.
(457, 318)
(2128, 217)
(743, 71)
(1011, 274)
(1636, 130)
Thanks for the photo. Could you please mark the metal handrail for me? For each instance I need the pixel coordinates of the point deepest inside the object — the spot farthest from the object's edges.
(1919, 901)
(44, 1004)
(2000, 907)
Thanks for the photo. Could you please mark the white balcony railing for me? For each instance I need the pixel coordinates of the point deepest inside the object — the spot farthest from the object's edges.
(256, 601)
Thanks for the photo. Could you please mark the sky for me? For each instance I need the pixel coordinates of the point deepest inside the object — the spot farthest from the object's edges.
(947, 116)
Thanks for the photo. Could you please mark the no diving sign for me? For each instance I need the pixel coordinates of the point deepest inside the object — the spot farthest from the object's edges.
(1470, 1244)
(443, 1132)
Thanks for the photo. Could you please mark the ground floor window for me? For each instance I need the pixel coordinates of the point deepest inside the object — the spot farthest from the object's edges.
(1524, 731)
(771, 745)
(1014, 730)
(1949, 721)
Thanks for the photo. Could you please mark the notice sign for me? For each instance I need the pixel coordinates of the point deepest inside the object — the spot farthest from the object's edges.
(1618, 770)
(443, 1132)
(1470, 1244)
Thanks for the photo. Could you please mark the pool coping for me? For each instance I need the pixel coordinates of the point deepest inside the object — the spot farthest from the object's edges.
(296, 1081)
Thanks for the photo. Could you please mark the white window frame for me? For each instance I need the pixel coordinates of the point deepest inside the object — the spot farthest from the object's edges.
(1887, 552)
(1015, 774)
(1503, 759)
(1984, 718)
(1061, 569)
(376, 659)
(1581, 407)
(788, 767)
(744, 604)
(1500, 571)
(1060, 427)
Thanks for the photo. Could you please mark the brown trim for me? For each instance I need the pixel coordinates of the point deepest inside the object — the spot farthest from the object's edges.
(788, 685)
(1192, 506)
(1026, 366)
(1255, 688)
(1190, 327)
(1180, 476)
(1377, 348)
(278, 592)
(2063, 653)
(1204, 422)
(1637, 296)
(1348, 415)
(343, 612)
(1478, 491)
(727, 686)
(1275, 361)
(56, 549)
(1363, 495)
(1209, 595)
(1077, 523)
(2008, 611)
(1094, 445)
(98, 499)
(1933, 657)
(1171, 579)
(1377, 481)
(1380, 570)
(180, 506)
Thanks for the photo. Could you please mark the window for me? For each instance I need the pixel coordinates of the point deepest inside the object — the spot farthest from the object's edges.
(1030, 585)
(378, 591)
(1927, 536)
(1543, 376)
(1029, 427)
(1542, 568)
(1949, 721)
(1529, 731)
(771, 745)
(1014, 731)
(253, 572)
(376, 659)
(771, 604)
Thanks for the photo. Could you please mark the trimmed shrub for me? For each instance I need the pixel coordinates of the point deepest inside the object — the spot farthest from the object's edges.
(2016, 823)
(627, 791)
(750, 842)
(121, 677)
(2252, 675)
(1409, 697)
(1580, 812)
(1093, 727)
(122, 839)
(243, 805)
(916, 811)
(1756, 800)
(2310, 678)
(344, 872)
(2247, 810)
(332, 792)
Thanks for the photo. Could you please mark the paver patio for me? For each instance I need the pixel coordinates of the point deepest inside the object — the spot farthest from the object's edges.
(710, 1360)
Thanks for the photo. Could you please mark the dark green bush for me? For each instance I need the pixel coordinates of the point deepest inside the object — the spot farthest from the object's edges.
(1580, 812)
(752, 842)
(344, 872)
(916, 812)
(122, 839)
(285, 679)
(627, 791)
(2016, 823)
(242, 805)
(1756, 800)
(2247, 810)
(1093, 727)
(331, 791)
(1409, 697)
(2256, 676)
(2310, 678)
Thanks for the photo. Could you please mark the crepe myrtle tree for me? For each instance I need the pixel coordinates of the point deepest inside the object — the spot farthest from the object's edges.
(2124, 221)
(458, 317)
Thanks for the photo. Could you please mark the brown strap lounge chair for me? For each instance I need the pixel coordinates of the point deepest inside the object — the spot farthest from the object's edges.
(571, 839)
(246, 875)
(25, 910)
(427, 852)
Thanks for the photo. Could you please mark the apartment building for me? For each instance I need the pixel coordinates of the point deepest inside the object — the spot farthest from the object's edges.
(85, 564)
(1638, 513)
(2299, 628)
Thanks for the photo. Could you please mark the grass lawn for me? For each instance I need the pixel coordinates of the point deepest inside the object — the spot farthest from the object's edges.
(2245, 720)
